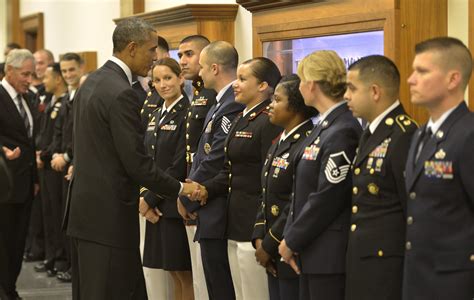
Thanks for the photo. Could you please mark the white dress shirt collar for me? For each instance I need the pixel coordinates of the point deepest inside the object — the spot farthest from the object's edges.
(376, 122)
(124, 67)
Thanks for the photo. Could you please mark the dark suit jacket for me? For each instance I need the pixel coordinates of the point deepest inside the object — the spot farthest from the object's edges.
(208, 161)
(165, 143)
(62, 133)
(318, 222)
(277, 181)
(439, 257)
(246, 149)
(6, 184)
(110, 162)
(13, 134)
(376, 246)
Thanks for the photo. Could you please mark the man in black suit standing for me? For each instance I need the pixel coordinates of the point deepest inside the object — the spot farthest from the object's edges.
(16, 131)
(374, 266)
(439, 256)
(110, 163)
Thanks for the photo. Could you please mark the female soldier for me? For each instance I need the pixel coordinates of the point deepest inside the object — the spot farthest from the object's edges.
(289, 111)
(166, 245)
(249, 138)
(318, 222)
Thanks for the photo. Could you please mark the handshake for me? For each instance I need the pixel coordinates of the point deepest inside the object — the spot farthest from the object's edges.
(194, 191)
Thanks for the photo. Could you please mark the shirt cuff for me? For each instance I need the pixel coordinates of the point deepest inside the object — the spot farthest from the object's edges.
(180, 188)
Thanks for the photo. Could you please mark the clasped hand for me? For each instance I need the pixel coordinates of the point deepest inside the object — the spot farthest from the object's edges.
(194, 191)
(151, 214)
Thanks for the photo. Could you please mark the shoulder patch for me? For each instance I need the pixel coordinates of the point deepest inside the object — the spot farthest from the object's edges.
(404, 122)
(337, 167)
(225, 124)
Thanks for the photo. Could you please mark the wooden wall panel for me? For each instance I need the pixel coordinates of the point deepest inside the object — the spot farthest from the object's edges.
(420, 20)
(404, 22)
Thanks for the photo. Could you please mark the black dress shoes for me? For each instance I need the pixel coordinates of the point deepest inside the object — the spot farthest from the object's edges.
(44, 266)
(64, 276)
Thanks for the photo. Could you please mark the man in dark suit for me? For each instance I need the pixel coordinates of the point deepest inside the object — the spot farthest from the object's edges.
(439, 257)
(110, 163)
(374, 265)
(16, 131)
(218, 70)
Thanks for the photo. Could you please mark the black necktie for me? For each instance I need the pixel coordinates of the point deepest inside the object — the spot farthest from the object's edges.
(23, 114)
(426, 136)
(163, 115)
(365, 136)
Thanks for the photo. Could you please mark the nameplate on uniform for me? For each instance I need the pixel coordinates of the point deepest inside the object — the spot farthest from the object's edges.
(200, 102)
(152, 105)
(310, 152)
(169, 127)
(439, 169)
(151, 127)
(244, 134)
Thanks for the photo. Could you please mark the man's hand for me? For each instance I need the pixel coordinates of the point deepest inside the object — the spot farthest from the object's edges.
(194, 191)
(58, 162)
(68, 176)
(143, 207)
(39, 162)
(183, 212)
(12, 154)
(153, 215)
(36, 189)
(287, 256)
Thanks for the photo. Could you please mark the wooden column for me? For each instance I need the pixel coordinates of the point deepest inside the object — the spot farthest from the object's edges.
(13, 22)
(131, 7)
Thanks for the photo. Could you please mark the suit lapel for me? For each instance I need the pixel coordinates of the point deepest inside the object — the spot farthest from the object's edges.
(430, 148)
(12, 110)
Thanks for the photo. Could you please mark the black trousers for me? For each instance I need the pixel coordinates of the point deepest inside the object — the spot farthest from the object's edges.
(215, 262)
(14, 219)
(35, 238)
(322, 287)
(103, 272)
(283, 289)
(51, 194)
(65, 241)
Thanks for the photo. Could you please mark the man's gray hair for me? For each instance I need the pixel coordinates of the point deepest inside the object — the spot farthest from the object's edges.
(131, 30)
(17, 57)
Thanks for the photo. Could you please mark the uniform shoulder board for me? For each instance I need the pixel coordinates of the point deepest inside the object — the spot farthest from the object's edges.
(405, 122)
(255, 114)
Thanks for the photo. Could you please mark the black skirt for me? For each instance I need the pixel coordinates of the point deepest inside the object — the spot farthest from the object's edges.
(166, 245)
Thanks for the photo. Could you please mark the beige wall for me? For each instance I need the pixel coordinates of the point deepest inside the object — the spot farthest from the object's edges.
(3, 28)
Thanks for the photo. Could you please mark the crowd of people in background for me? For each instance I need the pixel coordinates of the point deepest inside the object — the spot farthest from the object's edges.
(250, 185)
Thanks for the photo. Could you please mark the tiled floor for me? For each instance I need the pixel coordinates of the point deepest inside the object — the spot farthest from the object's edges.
(32, 285)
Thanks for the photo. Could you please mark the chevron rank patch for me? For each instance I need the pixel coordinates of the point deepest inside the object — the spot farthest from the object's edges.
(337, 167)
(225, 124)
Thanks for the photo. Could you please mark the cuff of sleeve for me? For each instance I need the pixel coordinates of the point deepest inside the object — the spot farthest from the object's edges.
(66, 157)
(270, 243)
(151, 199)
(180, 187)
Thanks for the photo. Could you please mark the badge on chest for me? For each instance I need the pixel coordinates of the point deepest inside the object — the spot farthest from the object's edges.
(244, 134)
(280, 163)
(201, 101)
(376, 158)
(439, 168)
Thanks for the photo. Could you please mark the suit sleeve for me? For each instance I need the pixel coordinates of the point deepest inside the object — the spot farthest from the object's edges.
(259, 227)
(273, 238)
(330, 198)
(127, 135)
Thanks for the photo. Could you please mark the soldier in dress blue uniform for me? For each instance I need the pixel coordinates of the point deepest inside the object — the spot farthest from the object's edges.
(315, 235)
(51, 180)
(218, 63)
(166, 244)
(288, 111)
(246, 147)
(439, 257)
(374, 266)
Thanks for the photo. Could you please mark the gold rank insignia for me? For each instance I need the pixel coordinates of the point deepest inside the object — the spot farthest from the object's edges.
(325, 123)
(207, 148)
(439, 134)
(54, 114)
(149, 94)
(389, 121)
(440, 154)
(275, 210)
(252, 115)
(373, 189)
(296, 136)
